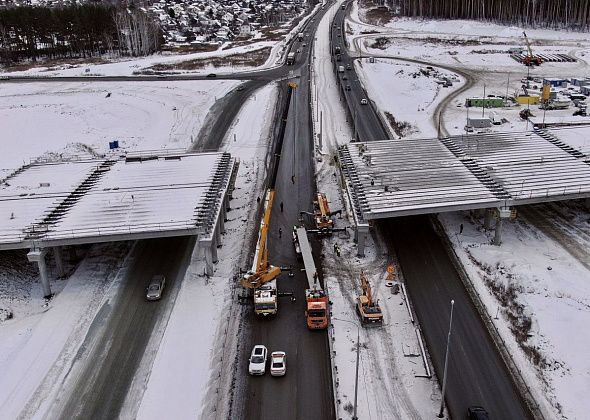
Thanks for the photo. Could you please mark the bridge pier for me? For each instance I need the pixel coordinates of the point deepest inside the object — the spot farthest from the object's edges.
(488, 217)
(587, 203)
(503, 213)
(38, 255)
(57, 255)
(360, 237)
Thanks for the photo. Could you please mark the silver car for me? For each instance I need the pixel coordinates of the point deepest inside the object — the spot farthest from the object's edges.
(156, 287)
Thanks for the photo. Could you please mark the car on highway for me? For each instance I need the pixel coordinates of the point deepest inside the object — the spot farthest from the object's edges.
(257, 360)
(347, 87)
(241, 87)
(156, 287)
(211, 75)
(278, 363)
(345, 77)
(475, 412)
(348, 67)
(364, 101)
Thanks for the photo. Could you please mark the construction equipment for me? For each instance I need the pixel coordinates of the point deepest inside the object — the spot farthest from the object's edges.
(265, 298)
(368, 310)
(317, 309)
(322, 216)
(531, 59)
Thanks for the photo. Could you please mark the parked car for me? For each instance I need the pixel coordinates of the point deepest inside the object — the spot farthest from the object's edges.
(258, 357)
(211, 75)
(278, 363)
(476, 412)
(156, 287)
(364, 101)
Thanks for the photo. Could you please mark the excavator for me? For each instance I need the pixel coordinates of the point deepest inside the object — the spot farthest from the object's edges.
(262, 275)
(368, 310)
(531, 59)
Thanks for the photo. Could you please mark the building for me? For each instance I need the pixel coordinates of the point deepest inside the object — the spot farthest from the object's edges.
(585, 90)
(489, 102)
(528, 100)
(555, 82)
(479, 122)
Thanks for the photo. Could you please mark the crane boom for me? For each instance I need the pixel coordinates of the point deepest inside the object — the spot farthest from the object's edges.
(262, 272)
(528, 44)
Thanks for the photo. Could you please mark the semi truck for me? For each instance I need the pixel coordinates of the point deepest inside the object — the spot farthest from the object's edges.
(317, 305)
(290, 58)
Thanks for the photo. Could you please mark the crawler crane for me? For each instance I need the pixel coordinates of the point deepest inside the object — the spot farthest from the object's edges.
(531, 59)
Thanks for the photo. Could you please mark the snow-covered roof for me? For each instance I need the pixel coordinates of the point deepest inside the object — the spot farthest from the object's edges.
(115, 198)
(401, 177)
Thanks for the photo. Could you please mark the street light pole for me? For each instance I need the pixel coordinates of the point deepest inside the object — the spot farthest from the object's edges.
(442, 400)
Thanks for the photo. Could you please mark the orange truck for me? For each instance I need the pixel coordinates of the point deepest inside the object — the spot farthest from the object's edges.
(317, 309)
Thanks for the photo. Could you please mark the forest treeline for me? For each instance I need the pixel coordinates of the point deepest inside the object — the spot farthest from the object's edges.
(573, 14)
(76, 31)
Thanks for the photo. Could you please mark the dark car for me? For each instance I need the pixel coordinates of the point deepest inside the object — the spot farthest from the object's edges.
(211, 75)
(347, 87)
(476, 412)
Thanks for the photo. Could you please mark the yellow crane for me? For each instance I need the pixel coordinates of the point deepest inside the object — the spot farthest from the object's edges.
(262, 272)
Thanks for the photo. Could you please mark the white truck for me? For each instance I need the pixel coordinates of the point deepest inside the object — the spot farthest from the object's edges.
(265, 299)
(290, 58)
(300, 36)
(340, 69)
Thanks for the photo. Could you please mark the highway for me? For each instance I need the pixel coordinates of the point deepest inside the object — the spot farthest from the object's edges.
(306, 391)
(477, 375)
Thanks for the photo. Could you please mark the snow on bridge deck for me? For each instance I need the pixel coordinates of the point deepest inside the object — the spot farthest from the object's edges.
(115, 198)
(394, 178)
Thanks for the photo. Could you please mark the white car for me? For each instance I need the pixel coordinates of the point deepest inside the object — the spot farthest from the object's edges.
(278, 363)
(156, 287)
(364, 101)
(258, 360)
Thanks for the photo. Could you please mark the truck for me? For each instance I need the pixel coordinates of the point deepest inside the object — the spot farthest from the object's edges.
(317, 305)
(340, 69)
(300, 36)
(290, 58)
(265, 299)
(337, 50)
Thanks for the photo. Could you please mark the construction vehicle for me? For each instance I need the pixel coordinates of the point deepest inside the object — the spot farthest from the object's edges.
(322, 214)
(290, 58)
(317, 309)
(367, 309)
(530, 59)
(262, 276)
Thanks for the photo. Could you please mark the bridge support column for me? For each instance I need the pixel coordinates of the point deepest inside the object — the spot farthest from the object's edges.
(38, 256)
(210, 250)
(587, 203)
(222, 219)
(489, 216)
(361, 237)
(503, 213)
(57, 255)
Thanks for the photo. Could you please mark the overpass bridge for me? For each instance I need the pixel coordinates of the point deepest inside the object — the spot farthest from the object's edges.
(47, 205)
(492, 171)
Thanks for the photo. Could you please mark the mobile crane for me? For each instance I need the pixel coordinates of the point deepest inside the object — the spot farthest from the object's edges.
(531, 59)
(262, 276)
(368, 310)
(322, 216)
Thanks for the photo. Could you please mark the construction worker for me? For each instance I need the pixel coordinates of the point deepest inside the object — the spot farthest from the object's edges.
(281, 206)
(280, 232)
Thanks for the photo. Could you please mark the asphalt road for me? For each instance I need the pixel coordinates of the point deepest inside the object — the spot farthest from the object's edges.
(477, 375)
(116, 341)
(306, 391)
